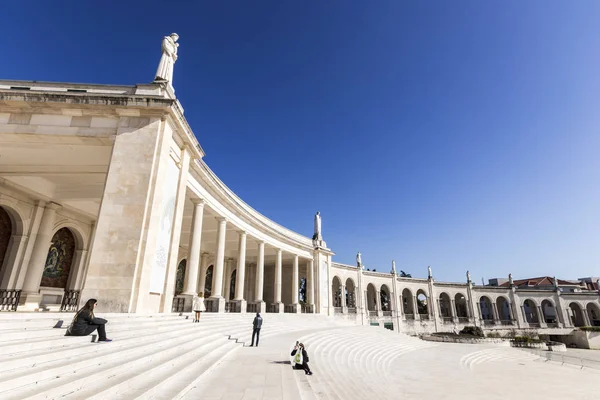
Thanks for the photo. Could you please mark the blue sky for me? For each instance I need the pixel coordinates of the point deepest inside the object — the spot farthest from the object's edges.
(461, 135)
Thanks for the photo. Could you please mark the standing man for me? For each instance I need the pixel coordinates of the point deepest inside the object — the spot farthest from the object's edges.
(256, 325)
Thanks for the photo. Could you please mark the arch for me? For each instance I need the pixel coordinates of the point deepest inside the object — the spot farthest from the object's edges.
(593, 312)
(371, 298)
(11, 224)
(531, 313)
(180, 277)
(485, 308)
(385, 298)
(408, 306)
(503, 307)
(576, 314)
(78, 234)
(445, 306)
(208, 281)
(6, 232)
(422, 302)
(460, 304)
(59, 260)
(549, 311)
(336, 290)
(350, 293)
(232, 283)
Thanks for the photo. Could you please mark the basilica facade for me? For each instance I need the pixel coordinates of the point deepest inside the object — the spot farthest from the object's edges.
(104, 194)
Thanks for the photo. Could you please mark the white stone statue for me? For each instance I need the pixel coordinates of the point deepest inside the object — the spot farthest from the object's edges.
(317, 234)
(358, 259)
(468, 276)
(164, 73)
(555, 283)
(510, 280)
(429, 275)
(393, 267)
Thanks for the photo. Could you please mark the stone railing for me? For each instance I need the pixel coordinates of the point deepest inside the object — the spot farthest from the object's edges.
(387, 313)
(463, 320)
(447, 320)
(232, 306)
(179, 304)
(307, 308)
(252, 308)
(351, 310)
(488, 322)
(212, 305)
(372, 313)
(272, 308)
(409, 317)
(9, 300)
(507, 322)
(337, 310)
(424, 317)
(70, 300)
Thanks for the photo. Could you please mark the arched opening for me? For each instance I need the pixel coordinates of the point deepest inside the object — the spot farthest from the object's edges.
(371, 298)
(302, 291)
(445, 307)
(180, 277)
(485, 309)
(208, 282)
(530, 310)
(576, 315)
(503, 309)
(336, 290)
(385, 299)
(232, 285)
(408, 308)
(460, 302)
(549, 312)
(350, 293)
(593, 314)
(422, 304)
(59, 260)
(6, 231)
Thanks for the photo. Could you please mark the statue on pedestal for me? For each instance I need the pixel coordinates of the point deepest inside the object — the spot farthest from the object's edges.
(510, 280)
(394, 267)
(164, 73)
(358, 260)
(555, 283)
(429, 274)
(468, 277)
(317, 235)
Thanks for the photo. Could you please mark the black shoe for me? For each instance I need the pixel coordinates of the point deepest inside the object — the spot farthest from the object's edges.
(251, 345)
(104, 340)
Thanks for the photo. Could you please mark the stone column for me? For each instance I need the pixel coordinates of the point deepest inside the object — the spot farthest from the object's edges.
(241, 273)
(416, 309)
(217, 284)
(30, 296)
(310, 285)
(295, 286)
(277, 286)
(453, 311)
(495, 313)
(193, 262)
(202, 272)
(260, 277)
(227, 279)
(343, 297)
(541, 318)
(586, 317)
(76, 277)
(378, 303)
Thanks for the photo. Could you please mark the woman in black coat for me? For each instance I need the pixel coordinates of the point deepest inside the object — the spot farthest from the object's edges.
(85, 322)
(301, 358)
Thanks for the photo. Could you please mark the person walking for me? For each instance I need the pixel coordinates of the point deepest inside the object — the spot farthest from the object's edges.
(256, 325)
(301, 358)
(85, 322)
(198, 306)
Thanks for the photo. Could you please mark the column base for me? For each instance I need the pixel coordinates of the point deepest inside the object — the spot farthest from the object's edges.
(261, 307)
(217, 304)
(30, 302)
(297, 308)
(344, 310)
(279, 307)
(243, 305)
(188, 301)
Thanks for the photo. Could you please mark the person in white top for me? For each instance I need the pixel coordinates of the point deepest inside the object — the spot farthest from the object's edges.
(198, 306)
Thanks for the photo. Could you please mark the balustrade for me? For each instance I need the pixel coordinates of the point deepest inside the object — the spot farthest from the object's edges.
(70, 300)
(9, 300)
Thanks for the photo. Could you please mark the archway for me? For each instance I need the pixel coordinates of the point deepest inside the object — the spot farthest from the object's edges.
(232, 285)
(59, 260)
(593, 314)
(408, 307)
(371, 298)
(445, 307)
(530, 310)
(485, 308)
(350, 293)
(576, 315)
(180, 277)
(208, 282)
(6, 231)
(549, 312)
(336, 290)
(460, 303)
(385, 299)
(503, 309)
(422, 303)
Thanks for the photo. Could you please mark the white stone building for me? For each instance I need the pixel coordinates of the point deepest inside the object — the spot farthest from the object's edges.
(104, 194)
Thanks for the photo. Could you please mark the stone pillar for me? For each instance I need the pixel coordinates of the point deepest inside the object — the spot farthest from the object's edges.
(260, 277)
(378, 303)
(76, 277)
(343, 297)
(30, 296)
(241, 273)
(310, 285)
(295, 286)
(193, 262)
(217, 284)
(277, 286)
(541, 318)
(586, 317)
(516, 309)
(495, 313)
(228, 270)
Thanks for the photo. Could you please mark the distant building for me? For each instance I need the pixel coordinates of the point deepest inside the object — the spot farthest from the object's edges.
(547, 283)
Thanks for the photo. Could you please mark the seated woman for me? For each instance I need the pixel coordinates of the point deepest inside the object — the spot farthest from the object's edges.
(85, 322)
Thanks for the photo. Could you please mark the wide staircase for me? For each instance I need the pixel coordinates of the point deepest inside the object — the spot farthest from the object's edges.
(154, 356)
